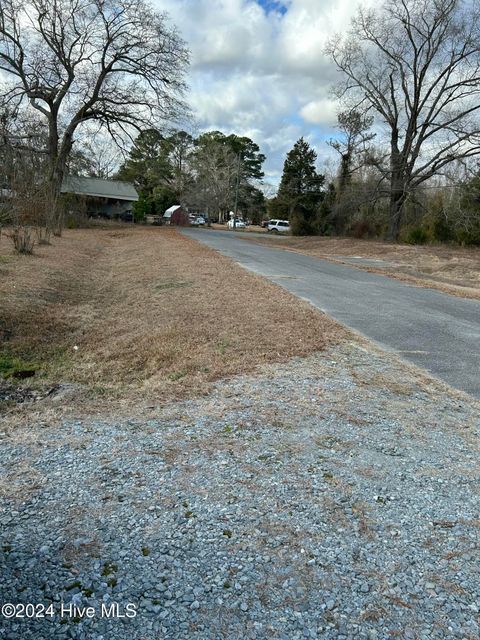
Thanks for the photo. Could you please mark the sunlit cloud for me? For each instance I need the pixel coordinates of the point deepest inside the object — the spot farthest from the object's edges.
(258, 69)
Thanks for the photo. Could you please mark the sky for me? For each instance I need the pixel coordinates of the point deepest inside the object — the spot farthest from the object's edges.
(258, 69)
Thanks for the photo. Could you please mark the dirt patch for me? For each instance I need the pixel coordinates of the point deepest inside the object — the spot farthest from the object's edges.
(11, 395)
(147, 313)
(454, 270)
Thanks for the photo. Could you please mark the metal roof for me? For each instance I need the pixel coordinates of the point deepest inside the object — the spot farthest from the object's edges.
(168, 213)
(115, 189)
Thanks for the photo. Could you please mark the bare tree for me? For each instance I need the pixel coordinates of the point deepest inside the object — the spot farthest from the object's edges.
(24, 202)
(216, 168)
(96, 156)
(115, 62)
(416, 63)
(179, 147)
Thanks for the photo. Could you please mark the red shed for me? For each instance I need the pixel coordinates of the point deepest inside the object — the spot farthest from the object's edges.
(176, 215)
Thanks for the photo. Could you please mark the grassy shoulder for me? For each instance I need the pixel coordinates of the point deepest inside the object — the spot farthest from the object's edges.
(145, 313)
(454, 270)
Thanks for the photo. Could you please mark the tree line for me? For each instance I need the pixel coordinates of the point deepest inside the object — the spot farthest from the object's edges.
(212, 173)
(355, 203)
(74, 67)
(408, 129)
(410, 71)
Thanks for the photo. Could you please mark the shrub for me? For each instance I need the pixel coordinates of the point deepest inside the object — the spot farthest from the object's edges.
(141, 208)
(470, 237)
(442, 231)
(23, 239)
(416, 235)
(361, 229)
(300, 226)
(43, 235)
(71, 222)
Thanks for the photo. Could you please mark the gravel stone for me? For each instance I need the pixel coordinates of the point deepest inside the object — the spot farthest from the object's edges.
(329, 497)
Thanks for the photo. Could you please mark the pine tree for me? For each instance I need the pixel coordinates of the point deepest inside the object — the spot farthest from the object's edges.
(300, 189)
(147, 165)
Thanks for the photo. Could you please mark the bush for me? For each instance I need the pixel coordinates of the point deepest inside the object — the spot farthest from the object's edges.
(75, 212)
(141, 209)
(299, 226)
(43, 235)
(468, 238)
(23, 239)
(442, 231)
(416, 235)
(361, 229)
(71, 222)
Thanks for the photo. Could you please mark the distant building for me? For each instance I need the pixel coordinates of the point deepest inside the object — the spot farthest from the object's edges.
(176, 215)
(103, 198)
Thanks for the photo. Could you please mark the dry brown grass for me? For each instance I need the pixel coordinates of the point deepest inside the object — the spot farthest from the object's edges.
(153, 314)
(454, 270)
(252, 228)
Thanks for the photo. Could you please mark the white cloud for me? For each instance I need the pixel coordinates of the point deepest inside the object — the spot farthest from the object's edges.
(262, 74)
(321, 112)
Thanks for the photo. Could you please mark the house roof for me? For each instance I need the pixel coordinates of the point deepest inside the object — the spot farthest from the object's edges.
(168, 213)
(96, 187)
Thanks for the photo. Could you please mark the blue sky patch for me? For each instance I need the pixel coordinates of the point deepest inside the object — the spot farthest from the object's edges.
(273, 5)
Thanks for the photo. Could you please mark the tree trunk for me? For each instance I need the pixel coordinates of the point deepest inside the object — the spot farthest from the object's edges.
(58, 161)
(397, 202)
(397, 189)
(43, 234)
(53, 186)
(55, 218)
(345, 177)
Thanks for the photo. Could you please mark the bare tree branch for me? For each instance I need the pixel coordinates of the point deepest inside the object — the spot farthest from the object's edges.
(114, 62)
(417, 64)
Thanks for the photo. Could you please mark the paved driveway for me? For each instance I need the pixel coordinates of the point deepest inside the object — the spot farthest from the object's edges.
(438, 332)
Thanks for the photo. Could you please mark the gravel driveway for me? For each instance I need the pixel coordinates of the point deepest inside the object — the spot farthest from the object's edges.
(330, 497)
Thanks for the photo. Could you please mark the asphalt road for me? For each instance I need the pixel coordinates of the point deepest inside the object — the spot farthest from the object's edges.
(437, 332)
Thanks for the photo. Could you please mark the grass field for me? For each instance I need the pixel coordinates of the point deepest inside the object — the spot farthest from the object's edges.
(144, 312)
(455, 270)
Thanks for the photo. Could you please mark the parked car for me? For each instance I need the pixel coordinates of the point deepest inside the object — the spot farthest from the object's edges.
(237, 224)
(197, 221)
(278, 226)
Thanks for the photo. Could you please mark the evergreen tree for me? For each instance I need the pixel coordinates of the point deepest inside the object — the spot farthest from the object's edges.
(151, 170)
(251, 158)
(148, 164)
(251, 202)
(300, 190)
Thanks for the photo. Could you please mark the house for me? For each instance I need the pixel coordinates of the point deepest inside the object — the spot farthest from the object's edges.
(103, 198)
(176, 215)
